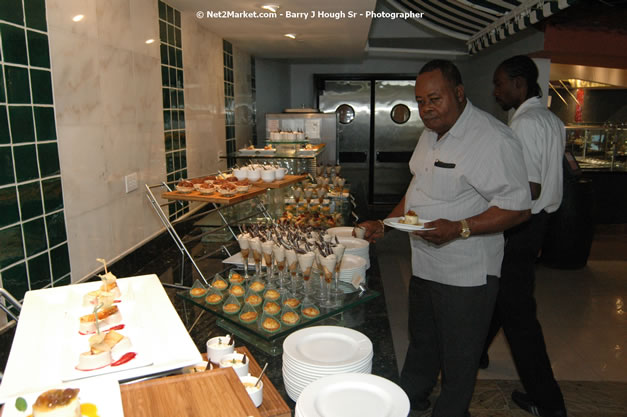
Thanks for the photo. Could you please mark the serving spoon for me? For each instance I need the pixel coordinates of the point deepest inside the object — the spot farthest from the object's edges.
(261, 374)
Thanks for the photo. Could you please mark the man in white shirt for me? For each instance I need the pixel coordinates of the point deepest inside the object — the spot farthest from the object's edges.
(542, 136)
(471, 183)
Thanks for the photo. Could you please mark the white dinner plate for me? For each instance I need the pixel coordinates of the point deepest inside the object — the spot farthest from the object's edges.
(104, 393)
(238, 261)
(352, 262)
(394, 222)
(353, 243)
(353, 395)
(299, 367)
(331, 346)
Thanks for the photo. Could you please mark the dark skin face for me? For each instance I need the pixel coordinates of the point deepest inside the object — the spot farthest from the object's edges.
(440, 103)
(508, 92)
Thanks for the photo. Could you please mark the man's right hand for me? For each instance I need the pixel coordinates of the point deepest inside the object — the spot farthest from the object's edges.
(374, 230)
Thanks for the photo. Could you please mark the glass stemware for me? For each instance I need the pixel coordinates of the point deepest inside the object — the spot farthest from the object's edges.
(244, 245)
(292, 266)
(328, 270)
(279, 257)
(266, 249)
(255, 245)
(305, 261)
(338, 250)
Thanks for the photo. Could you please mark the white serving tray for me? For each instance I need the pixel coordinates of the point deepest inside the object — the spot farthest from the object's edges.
(39, 340)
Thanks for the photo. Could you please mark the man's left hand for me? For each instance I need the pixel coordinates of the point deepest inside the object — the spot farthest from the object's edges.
(443, 231)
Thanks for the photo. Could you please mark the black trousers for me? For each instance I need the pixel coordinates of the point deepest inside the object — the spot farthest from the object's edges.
(516, 312)
(447, 330)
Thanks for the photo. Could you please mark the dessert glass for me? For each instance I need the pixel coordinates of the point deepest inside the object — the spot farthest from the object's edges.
(255, 245)
(292, 266)
(266, 249)
(305, 261)
(244, 245)
(279, 256)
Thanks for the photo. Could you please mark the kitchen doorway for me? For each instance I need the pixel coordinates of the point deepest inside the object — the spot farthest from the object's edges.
(378, 128)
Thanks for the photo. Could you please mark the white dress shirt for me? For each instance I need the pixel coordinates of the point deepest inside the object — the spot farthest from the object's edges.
(478, 163)
(543, 138)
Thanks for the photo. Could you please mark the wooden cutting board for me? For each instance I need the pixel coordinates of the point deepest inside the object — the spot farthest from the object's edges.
(218, 393)
(213, 198)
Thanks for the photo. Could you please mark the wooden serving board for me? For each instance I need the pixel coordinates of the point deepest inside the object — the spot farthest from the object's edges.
(273, 404)
(217, 393)
(287, 180)
(213, 198)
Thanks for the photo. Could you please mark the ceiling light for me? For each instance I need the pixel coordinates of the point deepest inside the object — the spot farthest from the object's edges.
(78, 18)
(149, 41)
(290, 35)
(271, 7)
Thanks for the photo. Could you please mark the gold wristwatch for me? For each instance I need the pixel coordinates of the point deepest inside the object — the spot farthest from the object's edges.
(465, 233)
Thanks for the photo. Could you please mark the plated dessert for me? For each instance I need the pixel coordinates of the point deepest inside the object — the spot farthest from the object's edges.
(410, 218)
(107, 317)
(58, 403)
(110, 348)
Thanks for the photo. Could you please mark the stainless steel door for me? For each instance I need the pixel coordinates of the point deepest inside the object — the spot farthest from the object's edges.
(397, 126)
(352, 98)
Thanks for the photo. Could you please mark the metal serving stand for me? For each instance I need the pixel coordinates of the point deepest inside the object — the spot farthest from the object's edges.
(200, 211)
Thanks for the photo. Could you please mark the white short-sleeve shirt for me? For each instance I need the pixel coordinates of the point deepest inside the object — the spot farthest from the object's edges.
(478, 163)
(543, 138)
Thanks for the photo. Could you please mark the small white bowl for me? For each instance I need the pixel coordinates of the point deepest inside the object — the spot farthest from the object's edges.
(199, 367)
(280, 173)
(240, 173)
(216, 350)
(268, 175)
(255, 393)
(234, 360)
(254, 175)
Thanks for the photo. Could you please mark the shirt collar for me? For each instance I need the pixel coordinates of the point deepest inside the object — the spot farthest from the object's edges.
(527, 104)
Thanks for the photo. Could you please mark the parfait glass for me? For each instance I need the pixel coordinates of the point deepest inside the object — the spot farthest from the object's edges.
(321, 193)
(338, 250)
(244, 245)
(298, 192)
(328, 271)
(308, 194)
(305, 261)
(266, 249)
(279, 257)
(255, 245)
(292, 266)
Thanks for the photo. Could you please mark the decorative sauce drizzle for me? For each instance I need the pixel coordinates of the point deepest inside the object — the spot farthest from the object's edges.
(117, 327)
(124, 359)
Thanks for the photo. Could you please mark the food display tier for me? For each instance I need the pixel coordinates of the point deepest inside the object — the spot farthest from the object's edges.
(269, 342)
(283, 150)
(257, 188)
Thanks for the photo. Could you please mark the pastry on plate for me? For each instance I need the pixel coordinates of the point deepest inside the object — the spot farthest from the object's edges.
(257, 286)
(292, 302)
(237, 290)
(271, 325)
(197, 292)
(58, 403)
(220, 284)
(253, 300)
(272, 295)
(231, 308)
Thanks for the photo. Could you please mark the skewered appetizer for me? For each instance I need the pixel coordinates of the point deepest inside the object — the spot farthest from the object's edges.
(107, 317)
(105, 349)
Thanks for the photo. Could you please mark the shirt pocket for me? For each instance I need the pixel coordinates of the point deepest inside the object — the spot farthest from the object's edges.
(445, 183)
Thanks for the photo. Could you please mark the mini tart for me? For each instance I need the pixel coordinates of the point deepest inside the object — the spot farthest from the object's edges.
(197, 292)
(310, 312)
(230, 308)
(272, 308)
(249, 316)
(213, 298)
(253, 300)
(292, 302)
(410, 218)
(237, 290)
(236, 278)
(220, 284)
(257, 286)
(290, 318)
(272, 295)
(58, 402)
(271, 325)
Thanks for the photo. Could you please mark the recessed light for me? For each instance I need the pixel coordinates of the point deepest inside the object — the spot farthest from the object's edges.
(78, 17)
(271, 7)
(149, 41)
(290, 35)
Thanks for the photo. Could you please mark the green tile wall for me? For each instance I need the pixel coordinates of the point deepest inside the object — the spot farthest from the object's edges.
(229, 100)
(172, 82)
(33, 237)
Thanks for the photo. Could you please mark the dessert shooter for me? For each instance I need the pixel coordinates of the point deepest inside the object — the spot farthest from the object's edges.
(255, 391)
(244, 244)
(266, 249)
(219, 346)
(338, 250)
(292, 266)
(306, 260)
(328, 269)
(279, 257)
(255, 245)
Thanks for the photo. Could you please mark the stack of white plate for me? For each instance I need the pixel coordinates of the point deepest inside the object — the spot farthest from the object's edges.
(353, 266)
(352, 395)
(341, 231)
(315, 352)
(355, 246)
